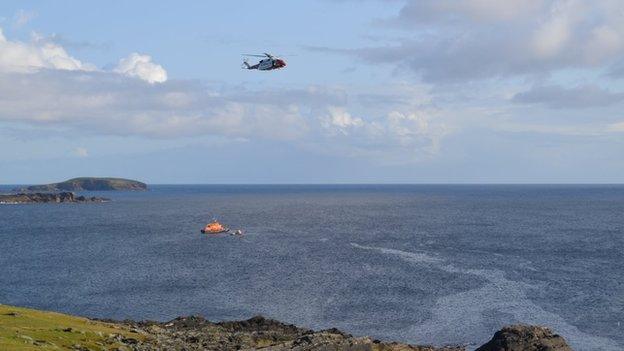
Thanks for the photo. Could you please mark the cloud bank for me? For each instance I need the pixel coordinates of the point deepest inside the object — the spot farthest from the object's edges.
(39, 53)
(42, 85)
(21, 57)
(141, 66)
(452, 41)
(579, 97)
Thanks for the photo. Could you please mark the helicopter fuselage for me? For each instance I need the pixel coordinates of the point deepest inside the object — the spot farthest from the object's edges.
(270, 64)
(267, 64)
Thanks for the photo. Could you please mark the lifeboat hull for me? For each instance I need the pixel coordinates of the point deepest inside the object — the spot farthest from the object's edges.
(214, 232)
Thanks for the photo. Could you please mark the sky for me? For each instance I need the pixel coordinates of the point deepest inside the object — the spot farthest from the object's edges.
(375, 91)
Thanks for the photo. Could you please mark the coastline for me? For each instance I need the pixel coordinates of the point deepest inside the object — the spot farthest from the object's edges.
(28, 329)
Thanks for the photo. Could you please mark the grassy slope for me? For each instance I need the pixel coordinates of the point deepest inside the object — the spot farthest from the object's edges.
(27, 329)
(94, 183)
(114, 182)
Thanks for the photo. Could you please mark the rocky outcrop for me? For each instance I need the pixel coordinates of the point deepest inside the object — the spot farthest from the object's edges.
(525, 338)
(26, 198)
(88, 184)
(29, 329)
(258, 333)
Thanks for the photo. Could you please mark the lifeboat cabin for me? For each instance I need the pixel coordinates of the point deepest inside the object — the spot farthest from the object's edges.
(214, 227)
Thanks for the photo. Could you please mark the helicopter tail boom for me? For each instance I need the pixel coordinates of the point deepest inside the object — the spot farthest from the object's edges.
(246, 65)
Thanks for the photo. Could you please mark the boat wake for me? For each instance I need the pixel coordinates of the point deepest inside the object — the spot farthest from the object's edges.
(463, 316)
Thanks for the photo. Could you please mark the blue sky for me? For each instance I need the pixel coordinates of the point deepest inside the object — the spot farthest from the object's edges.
(473, 91)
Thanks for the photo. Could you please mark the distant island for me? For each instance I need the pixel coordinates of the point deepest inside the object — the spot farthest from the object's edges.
(37, 198)
(88, 184)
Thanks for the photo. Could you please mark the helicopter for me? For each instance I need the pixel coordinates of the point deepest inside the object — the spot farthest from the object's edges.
(269, 62)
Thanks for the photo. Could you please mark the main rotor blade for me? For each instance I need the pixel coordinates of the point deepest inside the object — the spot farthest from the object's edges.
(254, 55)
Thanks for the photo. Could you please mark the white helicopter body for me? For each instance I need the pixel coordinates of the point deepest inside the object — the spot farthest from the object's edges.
(268, 63)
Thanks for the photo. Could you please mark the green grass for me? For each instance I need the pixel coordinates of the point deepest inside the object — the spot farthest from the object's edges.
(28, 329)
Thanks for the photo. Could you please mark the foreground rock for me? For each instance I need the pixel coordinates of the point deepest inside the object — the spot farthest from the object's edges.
(525, 338)
(28, 329)
(258, 333)
(47, 198)
(88, 184)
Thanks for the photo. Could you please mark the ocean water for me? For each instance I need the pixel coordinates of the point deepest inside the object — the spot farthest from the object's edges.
(430, 264)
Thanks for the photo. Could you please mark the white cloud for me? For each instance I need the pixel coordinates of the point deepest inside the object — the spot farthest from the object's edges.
(81, 152)
(105, 103)
(42, 86)
(110, 104)
(407, 127)
(41, 53)
(605, 42)
(551, 37)
(395, 138)
(469, 40)
(141, 66)
(339, 120)
(27, 57)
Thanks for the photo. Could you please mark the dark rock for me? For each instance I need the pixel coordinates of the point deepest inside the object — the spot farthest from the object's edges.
(24, 198)
(130, 341)
(525, 338)
(259, 323)
(336, 331)
(197, 333)
(192, 339)
(191, 322)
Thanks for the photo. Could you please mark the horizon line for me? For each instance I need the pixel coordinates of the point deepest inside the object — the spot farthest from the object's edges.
(362, 183)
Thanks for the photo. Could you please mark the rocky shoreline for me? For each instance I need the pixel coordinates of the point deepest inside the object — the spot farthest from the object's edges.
(259, 333)
(30, 329)
(63, 197)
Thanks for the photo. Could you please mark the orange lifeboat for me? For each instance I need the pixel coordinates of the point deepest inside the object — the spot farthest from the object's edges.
(214, 227)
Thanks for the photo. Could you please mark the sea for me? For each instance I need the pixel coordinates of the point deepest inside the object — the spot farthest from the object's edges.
(424, 264)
